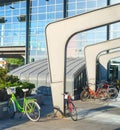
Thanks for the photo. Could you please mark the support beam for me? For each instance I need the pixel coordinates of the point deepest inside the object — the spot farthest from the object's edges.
(103, 60)
(12, 51)
(57, 36)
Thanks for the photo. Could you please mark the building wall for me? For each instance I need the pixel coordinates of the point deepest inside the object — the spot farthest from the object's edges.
(43, 12)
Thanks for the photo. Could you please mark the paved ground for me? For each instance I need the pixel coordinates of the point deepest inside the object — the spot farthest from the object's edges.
(91, 116)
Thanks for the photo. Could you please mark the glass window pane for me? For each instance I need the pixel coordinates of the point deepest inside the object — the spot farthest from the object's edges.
(101, 3)
(71, 7)
(59, 15)
(42, 9)
(41, 17)
(50, 8)
(71, 13)
(50, 16)
(115, 1)
(91, 4)
(34, 10)
(81, 5)
(59, 7)
(23, 4)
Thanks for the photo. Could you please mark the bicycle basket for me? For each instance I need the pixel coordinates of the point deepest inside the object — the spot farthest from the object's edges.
(11, 90)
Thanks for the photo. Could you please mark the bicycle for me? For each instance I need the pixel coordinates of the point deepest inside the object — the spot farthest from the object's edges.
(112, 88)
(100, 93)
(70, 108)
(30, 107)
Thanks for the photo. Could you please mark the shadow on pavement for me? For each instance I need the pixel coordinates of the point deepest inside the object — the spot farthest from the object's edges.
(46, 108)
(117, 128)
(8, 123)
(93, 111)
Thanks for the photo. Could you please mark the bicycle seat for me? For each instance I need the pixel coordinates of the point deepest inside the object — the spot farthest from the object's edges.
(25, 90)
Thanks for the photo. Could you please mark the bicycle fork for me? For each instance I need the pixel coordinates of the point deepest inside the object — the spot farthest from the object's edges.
(14, 106)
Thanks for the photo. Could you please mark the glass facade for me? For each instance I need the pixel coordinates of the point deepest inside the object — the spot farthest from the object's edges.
(42, 13)
(13, 29)
(13, 24)
(79, 41)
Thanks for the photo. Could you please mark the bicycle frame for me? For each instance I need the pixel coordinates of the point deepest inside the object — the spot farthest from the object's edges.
(94, 93)
(69, 102)
(69, 106)
(17, 106)
(29, 106)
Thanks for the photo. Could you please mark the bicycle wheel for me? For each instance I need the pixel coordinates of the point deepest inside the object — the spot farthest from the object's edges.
(113, 93)
(32, 110)
(104, 96)
(73, 111)
(84, 95)
(10, 108)
(58, 113)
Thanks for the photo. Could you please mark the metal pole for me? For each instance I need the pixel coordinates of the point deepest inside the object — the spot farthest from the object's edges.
(65, 14)
(27, 31)
(108, 38)
(108, 26)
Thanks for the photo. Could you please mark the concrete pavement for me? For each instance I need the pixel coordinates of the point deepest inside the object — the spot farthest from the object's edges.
(91, 115)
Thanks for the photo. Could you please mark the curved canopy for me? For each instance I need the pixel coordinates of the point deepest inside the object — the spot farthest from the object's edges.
(91, 57)
(104, 59)
(57, 35)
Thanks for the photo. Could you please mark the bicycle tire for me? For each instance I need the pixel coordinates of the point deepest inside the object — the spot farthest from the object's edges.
(104, 96)
(84, 95)
(58, 113)
(10, 109)
(73, 111)
(113, 92)
(32, 110)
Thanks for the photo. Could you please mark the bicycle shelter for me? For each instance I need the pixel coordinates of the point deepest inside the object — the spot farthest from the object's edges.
(57, 36)
(37, 72)
(103, 60)
(91, 57)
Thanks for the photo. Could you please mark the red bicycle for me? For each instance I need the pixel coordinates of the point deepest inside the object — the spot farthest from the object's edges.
(70, 108)
(100, 93)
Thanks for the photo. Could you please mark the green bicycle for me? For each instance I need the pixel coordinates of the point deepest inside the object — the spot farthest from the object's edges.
(30, 107)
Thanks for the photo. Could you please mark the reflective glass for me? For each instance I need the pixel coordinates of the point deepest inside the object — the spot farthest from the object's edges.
(42, 12)
(41, 17)
(71, 7)
(91, 4)
(59, 15)
(114, 1)
(88, 37)
(59, 7)
(34, 10)
(81, 5)
(23, 4)
(59, 1)
(42, 9)
(50, 8)
(115, 30)
(101, 3)
(12, 26)
(50, 16)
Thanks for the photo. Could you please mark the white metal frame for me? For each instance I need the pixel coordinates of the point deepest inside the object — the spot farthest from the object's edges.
(57, 36)
(103, 60)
